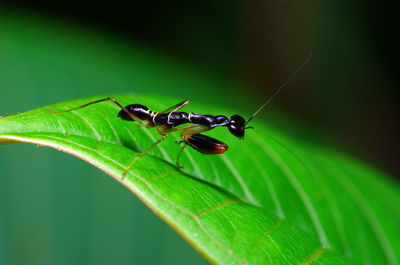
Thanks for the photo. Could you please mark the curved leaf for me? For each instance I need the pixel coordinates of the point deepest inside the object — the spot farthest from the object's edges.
(257, 204)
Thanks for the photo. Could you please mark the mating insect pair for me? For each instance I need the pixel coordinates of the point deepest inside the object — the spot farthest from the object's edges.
(169, 119)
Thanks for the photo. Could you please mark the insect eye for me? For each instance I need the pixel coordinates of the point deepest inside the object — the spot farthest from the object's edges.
(236, 126)
(236, 131)
(238, 120)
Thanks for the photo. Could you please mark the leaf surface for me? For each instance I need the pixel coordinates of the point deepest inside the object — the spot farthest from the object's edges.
(256, 204)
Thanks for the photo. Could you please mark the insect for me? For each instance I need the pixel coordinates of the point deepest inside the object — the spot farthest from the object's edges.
(170, 119)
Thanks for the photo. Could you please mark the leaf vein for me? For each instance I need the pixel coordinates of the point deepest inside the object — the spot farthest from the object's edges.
(268, 183)
(150, 186)
(316, 254)
(239, 179)
(162, 175)
(268, 232)
(300, 191)
(96, 133)
(368, 213)
(113, 130)
(218, 206)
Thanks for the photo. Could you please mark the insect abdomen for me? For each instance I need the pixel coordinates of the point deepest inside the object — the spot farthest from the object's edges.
(140, 111)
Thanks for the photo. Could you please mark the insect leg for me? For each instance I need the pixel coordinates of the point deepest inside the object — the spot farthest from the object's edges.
(189, 129)
(162, 131)
(176, 107)
(179, 155)
(205, 144)
(102, 100)
(202, 143)
(164, 136)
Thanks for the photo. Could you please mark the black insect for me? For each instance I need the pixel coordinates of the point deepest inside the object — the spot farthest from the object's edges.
(170, 119)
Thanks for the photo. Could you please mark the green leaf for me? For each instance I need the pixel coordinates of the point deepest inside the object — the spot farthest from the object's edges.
(341, 205)
(256, 204)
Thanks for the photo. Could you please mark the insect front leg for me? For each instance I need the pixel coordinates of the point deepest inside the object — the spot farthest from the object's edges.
(187, 131)
(202, 143)
(180, 153)
(205, 144)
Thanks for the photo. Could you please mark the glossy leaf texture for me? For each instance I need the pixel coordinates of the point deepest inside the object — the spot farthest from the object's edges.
(259, 203)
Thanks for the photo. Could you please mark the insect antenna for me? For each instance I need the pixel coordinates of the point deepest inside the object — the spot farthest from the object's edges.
(284, 146)
(301, 67)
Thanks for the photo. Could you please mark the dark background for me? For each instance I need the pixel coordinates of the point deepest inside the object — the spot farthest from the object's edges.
(56, 209)
(350, 92)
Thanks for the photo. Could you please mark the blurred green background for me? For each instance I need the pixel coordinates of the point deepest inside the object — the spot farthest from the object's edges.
(56, 209)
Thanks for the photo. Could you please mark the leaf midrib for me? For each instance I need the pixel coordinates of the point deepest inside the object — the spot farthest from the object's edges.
(130, 187)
